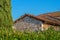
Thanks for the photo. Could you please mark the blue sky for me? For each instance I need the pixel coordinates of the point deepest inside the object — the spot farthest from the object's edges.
(34, 7)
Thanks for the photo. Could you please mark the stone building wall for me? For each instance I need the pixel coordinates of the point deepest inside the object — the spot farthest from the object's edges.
(46, 26)
(28, 23)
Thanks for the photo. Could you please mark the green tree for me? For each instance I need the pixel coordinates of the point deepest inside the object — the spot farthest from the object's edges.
(5, 14)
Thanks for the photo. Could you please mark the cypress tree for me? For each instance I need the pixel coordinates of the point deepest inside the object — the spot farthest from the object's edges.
(5, 14)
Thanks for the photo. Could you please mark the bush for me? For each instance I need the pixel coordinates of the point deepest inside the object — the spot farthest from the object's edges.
(40, 35)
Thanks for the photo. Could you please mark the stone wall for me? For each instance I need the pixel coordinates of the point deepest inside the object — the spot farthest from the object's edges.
(46, 26)
(28, 23)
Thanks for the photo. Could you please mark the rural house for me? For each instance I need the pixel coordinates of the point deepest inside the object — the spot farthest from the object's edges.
(40, 22)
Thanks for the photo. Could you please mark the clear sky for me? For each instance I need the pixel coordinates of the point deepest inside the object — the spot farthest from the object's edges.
(35, 7)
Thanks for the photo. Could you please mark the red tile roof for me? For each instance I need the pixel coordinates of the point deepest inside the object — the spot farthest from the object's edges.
(50, 18)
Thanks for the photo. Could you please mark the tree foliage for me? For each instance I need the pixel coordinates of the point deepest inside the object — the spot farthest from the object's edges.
(5, 13)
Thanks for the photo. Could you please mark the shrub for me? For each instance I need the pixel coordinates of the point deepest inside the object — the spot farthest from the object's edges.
(40, 35)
